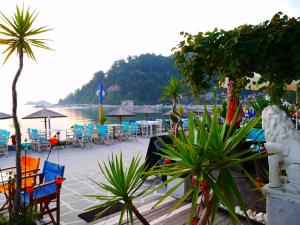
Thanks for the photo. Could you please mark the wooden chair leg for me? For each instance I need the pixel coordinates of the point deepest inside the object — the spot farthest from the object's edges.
(58, 209)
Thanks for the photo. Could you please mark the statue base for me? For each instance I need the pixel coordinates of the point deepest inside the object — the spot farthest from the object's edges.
(283, 205)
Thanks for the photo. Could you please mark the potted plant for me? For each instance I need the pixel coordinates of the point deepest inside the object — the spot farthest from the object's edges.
(123, 186)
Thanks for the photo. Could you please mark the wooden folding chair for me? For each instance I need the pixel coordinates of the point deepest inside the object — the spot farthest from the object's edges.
(29, 166)
(46, 191)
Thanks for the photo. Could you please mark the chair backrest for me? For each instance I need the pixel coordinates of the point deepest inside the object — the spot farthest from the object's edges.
(89, 127)
(51, 171)
(125, 126)
(29, 164)
(88, 133)
(4, 135)
(256, 134)
(78, 131)
(34, 133)
(102, 130)
(78, 126)
(133, 128)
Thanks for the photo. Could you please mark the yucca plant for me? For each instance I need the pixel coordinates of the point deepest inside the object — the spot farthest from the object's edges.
(206, 157)
(172, 91)
(19, 37)
(259, 103)
(124, 185)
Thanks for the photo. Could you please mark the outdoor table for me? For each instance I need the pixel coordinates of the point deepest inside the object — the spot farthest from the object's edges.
(115, 127)
(150, 124)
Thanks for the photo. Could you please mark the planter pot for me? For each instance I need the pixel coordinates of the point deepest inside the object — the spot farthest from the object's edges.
(13, 139)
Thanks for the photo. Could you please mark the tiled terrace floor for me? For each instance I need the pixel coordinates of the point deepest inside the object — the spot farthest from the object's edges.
(81, 166)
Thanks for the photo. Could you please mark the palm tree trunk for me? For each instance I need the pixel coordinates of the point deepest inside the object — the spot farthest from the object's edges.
(17, 197)
(207, 211)
(138, 215)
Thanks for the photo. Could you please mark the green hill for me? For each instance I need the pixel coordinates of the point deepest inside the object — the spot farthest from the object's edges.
(139, 78)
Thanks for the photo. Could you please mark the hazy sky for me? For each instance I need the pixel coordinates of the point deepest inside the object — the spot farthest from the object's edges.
(90, 35)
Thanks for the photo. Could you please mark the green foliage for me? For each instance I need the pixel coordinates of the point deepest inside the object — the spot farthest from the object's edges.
(27, 216)
(259, 104)
(224, 106)
(3, 218)
(121, 184)
(172, 90)
(270, 49)
(18, 31)
(103, 120)
(207, 154)
(139, 78)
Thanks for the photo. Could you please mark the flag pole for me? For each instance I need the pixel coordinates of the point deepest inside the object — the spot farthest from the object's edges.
(100, 104)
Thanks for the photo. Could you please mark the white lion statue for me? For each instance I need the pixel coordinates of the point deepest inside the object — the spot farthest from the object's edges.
(283, 139)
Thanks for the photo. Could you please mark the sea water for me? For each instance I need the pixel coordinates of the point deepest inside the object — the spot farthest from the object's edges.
(75, 115)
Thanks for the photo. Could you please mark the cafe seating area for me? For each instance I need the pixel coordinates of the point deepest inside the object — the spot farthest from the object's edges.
(81, 135)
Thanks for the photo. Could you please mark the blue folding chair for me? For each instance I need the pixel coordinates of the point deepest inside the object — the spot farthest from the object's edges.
(256, 136)
(39, 141)
(46, 191)
(4, 135)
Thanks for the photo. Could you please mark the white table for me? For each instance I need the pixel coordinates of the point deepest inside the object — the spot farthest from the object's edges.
(115, 126)
(150, 124)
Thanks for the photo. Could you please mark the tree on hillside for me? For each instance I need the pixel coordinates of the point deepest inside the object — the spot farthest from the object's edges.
(18, 34)
(138, 78)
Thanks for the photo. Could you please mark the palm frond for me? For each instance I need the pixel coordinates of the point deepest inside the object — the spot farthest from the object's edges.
(17, 30)
(122, 184)
(208, 148)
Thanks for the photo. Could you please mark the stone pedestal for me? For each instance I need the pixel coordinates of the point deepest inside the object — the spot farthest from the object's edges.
(283, 205)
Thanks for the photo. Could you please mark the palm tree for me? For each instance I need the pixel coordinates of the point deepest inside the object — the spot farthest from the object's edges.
(18, 31)
(172, 91)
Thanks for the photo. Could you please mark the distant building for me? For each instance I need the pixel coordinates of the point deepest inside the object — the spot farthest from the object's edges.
(113, 88)
(127, 103)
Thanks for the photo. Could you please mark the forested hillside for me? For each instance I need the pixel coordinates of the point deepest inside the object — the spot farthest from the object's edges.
(139, 78)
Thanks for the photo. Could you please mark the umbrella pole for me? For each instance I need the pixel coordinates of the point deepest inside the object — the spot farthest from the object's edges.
(45, 120)
(120, 119)
(49, 127)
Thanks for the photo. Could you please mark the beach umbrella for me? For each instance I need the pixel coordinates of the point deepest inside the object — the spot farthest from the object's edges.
(146, 111)
(120, 112)
(44, 114)
(4, 116)
(234, 105)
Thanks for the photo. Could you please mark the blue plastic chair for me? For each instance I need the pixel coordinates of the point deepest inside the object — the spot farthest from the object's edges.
(39, 141)
(78, 135)
(125, 130)
(133, 129)
(47, 191)
(102, 131)
(4, 136)
(256, 134)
